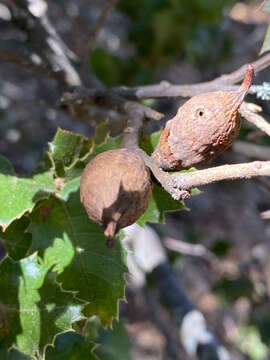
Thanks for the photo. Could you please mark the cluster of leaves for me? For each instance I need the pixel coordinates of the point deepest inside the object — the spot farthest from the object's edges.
(58, 271)
(161, 30)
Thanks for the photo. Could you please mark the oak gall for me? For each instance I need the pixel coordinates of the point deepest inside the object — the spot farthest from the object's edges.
(203, 128)
(115, 190)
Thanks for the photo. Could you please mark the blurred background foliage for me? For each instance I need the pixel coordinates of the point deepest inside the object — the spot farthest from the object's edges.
(163, 31)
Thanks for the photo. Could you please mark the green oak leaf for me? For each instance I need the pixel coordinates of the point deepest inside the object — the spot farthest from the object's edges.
(76, 247)
(70, 346)
(160, 202)
(37, 309)
(114, 344)
(101, 134)
(149, 142)
(16, 239)
(66, 149)
(18, 194)
(110, 144)
(90, 327)
(70, 152)
(194, 191)
(12, 354)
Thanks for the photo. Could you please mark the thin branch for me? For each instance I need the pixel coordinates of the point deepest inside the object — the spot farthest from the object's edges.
(164, 178)
(23, 55)
(31, 16)
(131, 133)
(261, 6)
(81, 98)
(239, 74)
(179, 184)
(86, 67)
(56, 60)
(100, 23)
(165, 89)
(186, 181)
(259, 152)
(249, 112)
(27, 12)
(182, 247)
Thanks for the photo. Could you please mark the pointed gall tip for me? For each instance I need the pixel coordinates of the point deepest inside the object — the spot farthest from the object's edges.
(110, 233)
(247, 79)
